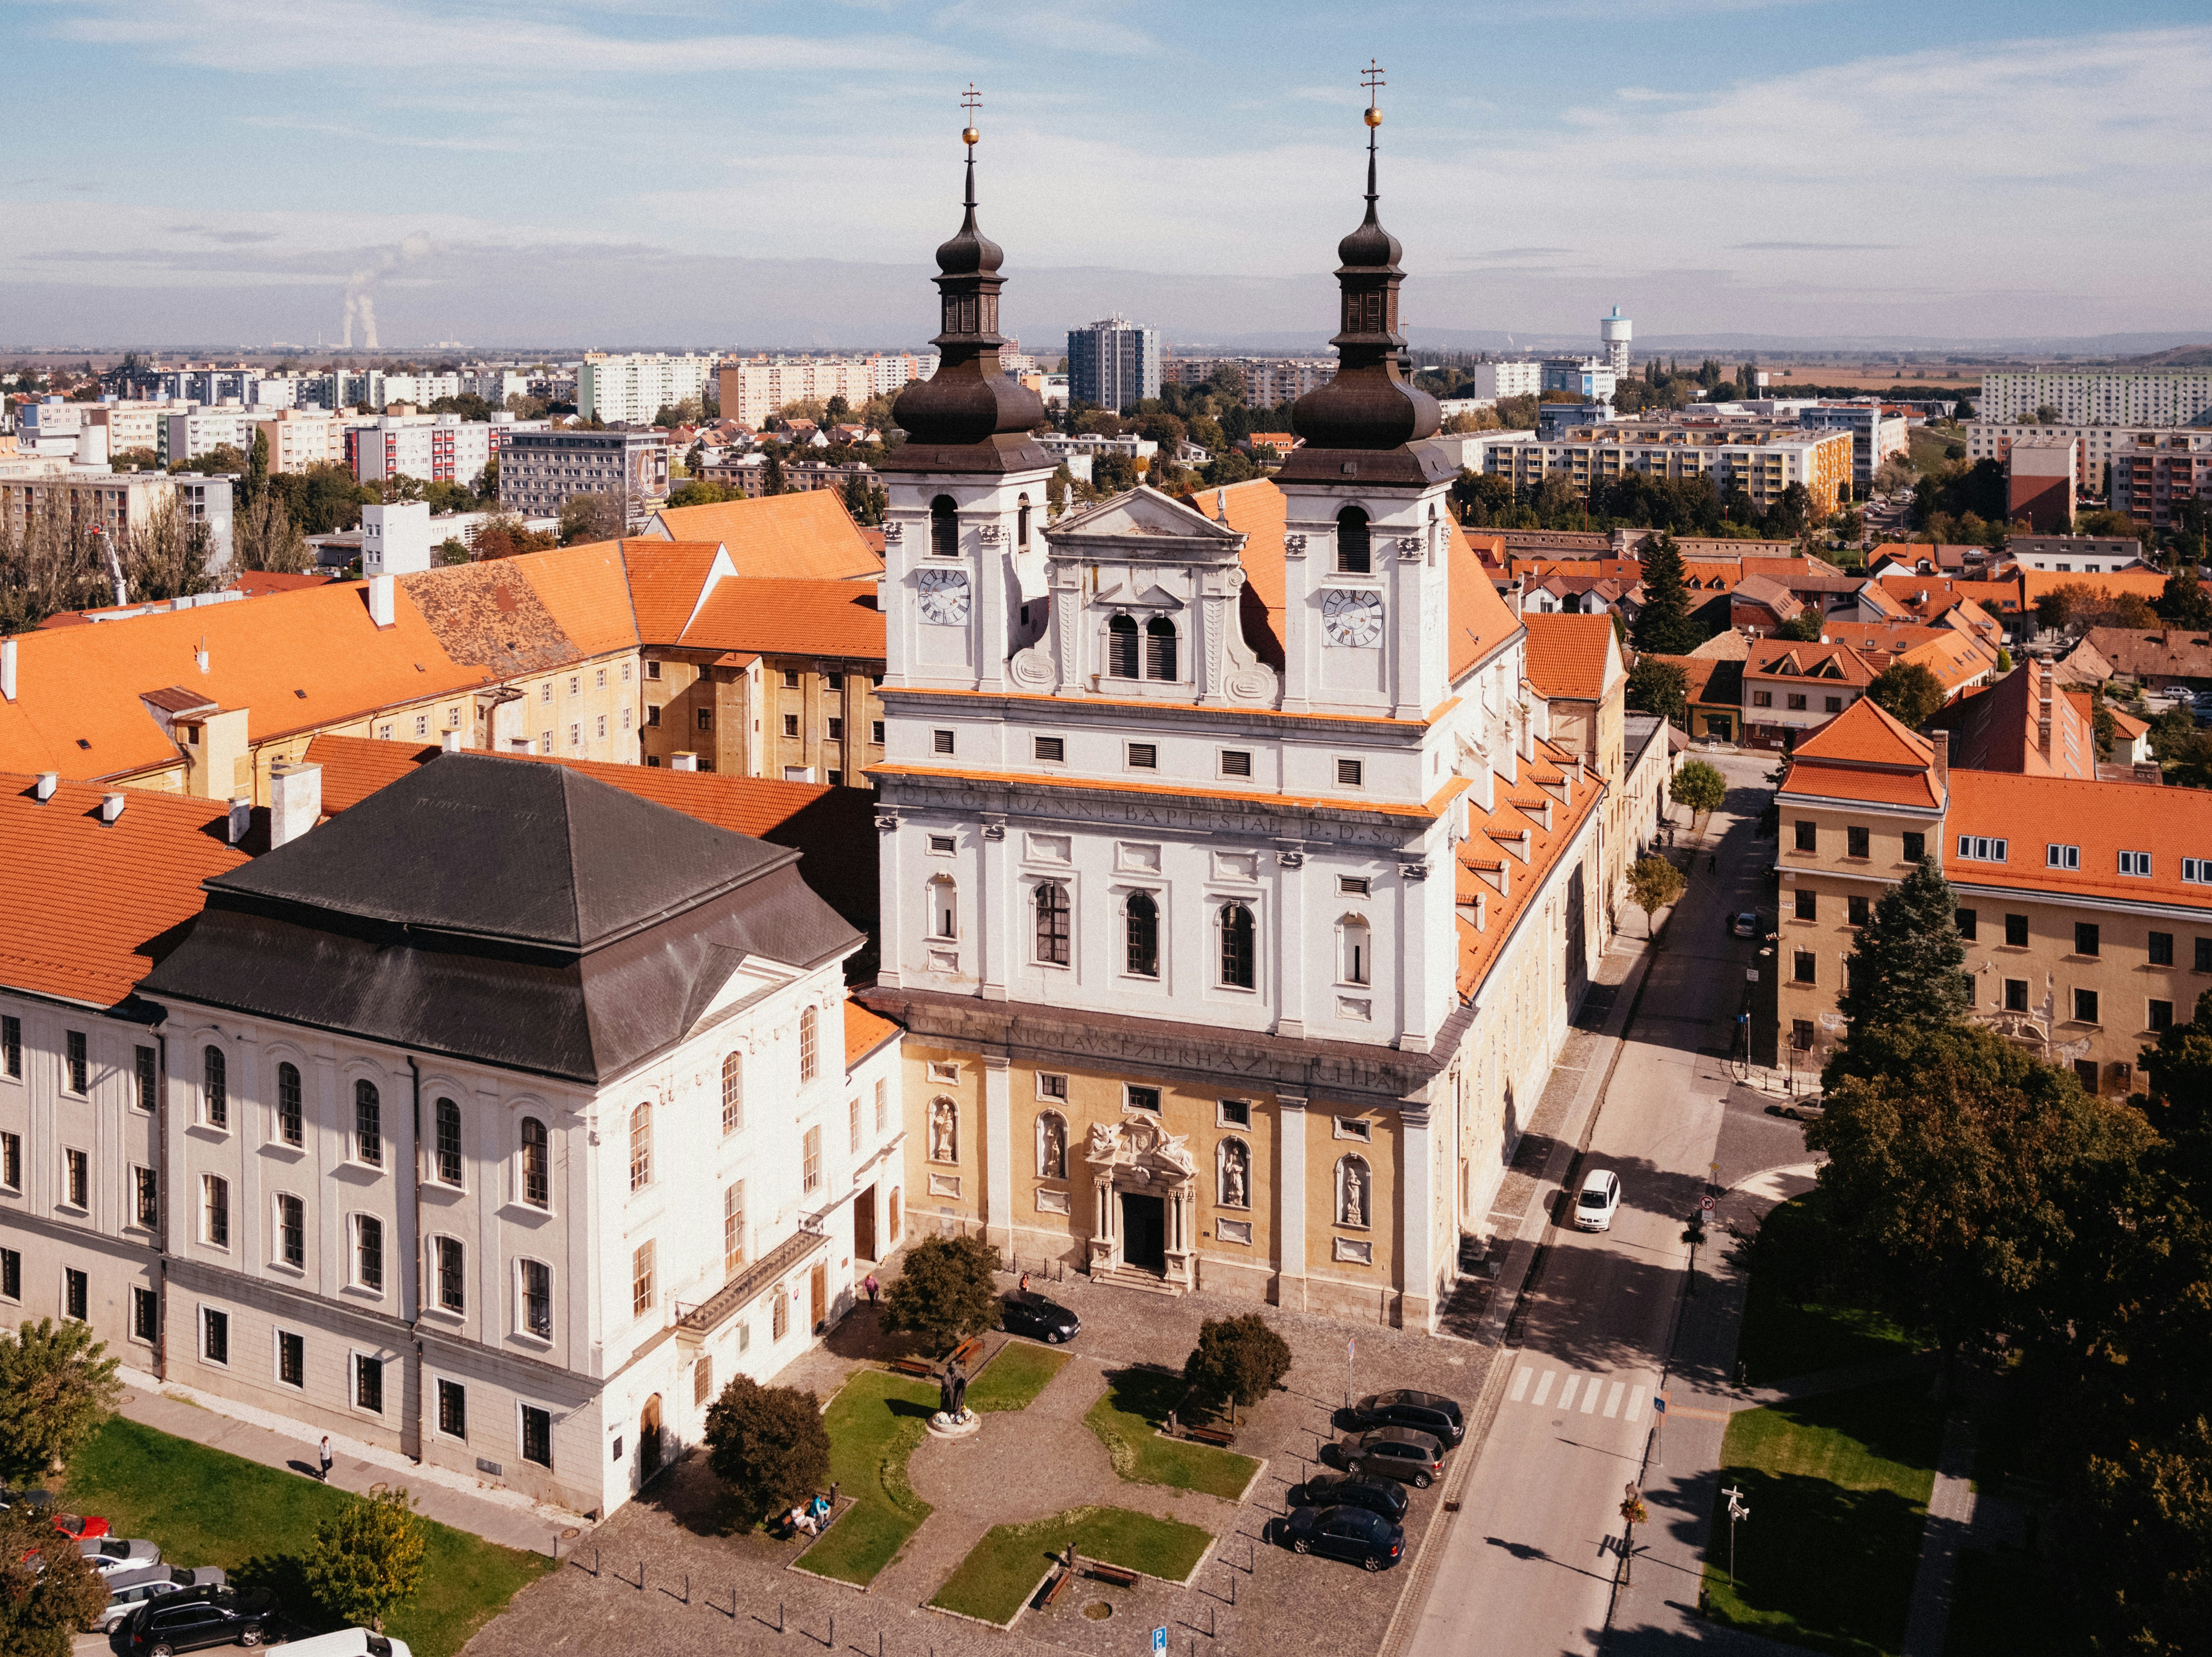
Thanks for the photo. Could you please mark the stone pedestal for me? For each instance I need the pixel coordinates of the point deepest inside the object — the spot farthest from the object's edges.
(966, 1424)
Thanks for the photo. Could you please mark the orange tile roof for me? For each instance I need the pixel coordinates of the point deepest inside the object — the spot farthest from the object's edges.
(1919, 593)
(1787, 659)
(864, 1033)
(1495, 840)
(1863, 734)
(1996, 729)
(2147, 584)
(808, 535)
(666, 581)
(1873, 788)
(254, 583)
(1711, 681)
(92, 906)
(1570, 655)
(790, 618)
(296, 661)
(2030, 812)
(1953, 658)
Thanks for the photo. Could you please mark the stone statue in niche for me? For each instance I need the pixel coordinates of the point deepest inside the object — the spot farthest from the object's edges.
(1354, 1201)
(944, 1131)
(1052, 1147)
(1232, 1174)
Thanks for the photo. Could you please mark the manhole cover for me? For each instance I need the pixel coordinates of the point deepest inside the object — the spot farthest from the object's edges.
(1098, 1611)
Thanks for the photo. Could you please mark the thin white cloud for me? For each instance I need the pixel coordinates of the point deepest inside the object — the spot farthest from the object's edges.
(1059, 25)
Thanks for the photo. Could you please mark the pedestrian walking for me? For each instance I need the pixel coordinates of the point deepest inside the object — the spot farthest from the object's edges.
(871, 1285)
(326, 1458)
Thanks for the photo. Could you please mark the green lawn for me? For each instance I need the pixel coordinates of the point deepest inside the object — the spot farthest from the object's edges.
(1003, 1570)
(874, 1423)
(1782, 1338)
(1135, 1404)
(209, 1507)
(1016, 1375)
(1838, 1488)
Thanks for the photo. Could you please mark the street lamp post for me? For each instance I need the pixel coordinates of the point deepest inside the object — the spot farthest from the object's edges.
(1632, 1510)
(1737, 1510)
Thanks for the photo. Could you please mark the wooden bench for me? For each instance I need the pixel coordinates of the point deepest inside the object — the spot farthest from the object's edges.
(1216, 1435)
(1121, 1578)
(967, 1350)
(1058, 1586)
(913, 1366)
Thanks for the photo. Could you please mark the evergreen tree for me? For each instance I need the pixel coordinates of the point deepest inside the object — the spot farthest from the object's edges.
(257, 466)
(1906, 969)
(1663, 626)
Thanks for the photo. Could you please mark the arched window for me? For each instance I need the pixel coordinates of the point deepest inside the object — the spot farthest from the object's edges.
(1143, 929)
(1160, 649)
(1352, 554)
(368, 1124)
(1052, 943)
(449, 1142)
(1237, 950)
(943, 528)
(1352, 944)
(289, 1128)
(537, 1181)
(215, 1088)
(1121, 654)
(944, 1130)
(1022, 523)
(1233, 1172)
(810, 1044)
(641, 1147)
(1355, 1192)
(944, 908)
(1436, 534)
(733, 1094)
(1051, 1145)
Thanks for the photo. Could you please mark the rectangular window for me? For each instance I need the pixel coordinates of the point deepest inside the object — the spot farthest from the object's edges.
(876, 732)
(75, 1293)
(1762, 699)
(2161, 949)
(1797, 701)
(453, 1410)
(76, 1179)
(1234, 1112)
(2058, 857)
(791, 724)
(2195, 869)
(11, 1274)
(537, 1281)
(2085, 1007)
(1833, 704)
(11, 1161)
(1807, 836)
(1354, 1127)
(2016, 931)
(453, 1277)
(1050, 749)
(1236, 762)
(640, 1280)
(734, 1226)
(1857, 910)
(1143, 756)
(940, 741)
(1350, 773)
(1805, 905)
(536, 1436)
(2015, 995)
(651, 670)
(146, 1190)
(2135, 862)
(791, 678)
(883, 1103)
(2162, 1016)
(1916, 846)
(942, 845)
(2085, 937)
(1981, 849)
(145, 1314)
(291, 1359)
(1352, 885)
(1969, 922)
(11, 1045)
(809, 1177)
(214, 1211)
(836, 730)
(1141, 1098)
(2085, 1072)
(702, 1379)
(545, 741)
(855, 1109)
(368, 1252)
(1802, 968)
(143, 1061)
(1857, 842)
(545, 691)
(215, 1335)
(779, 1323)
(292, 1230)
(369, 1383)
(77, 1068)
(651, 716)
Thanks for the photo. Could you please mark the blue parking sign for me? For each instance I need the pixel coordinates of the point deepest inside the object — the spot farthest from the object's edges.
(1159, 1642)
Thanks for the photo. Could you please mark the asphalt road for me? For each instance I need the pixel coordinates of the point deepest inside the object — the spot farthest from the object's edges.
(1530, 1560)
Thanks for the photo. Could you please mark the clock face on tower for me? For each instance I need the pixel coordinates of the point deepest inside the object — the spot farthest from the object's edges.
(1352, 617)
(944, 597)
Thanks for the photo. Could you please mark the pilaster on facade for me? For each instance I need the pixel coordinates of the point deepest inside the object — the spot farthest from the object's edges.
(1290, 1203)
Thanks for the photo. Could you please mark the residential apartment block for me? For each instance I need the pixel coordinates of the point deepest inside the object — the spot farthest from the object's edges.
(1114, 362)
(631, 390)
(2154, 473)
(538, 471)
(300, 438)
(1267, 379)
(121, 501)
(1761, 460)
(428, 448)
(1992, 439)
(754, 388)
(2108, 397)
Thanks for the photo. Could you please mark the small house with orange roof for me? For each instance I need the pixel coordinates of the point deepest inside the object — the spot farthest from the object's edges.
(1791, 688)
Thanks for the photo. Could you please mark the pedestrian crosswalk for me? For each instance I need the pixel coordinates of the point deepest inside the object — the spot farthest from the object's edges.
(1571, 1392)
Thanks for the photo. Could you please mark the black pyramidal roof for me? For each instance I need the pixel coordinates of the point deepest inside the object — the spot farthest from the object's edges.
(514, 913)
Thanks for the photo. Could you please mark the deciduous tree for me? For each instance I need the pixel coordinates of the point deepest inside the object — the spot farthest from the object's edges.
(1699, 786)
(945, 1292)
(769, 1445)
(56, 1386)
(365, 1561)
(591, 518)
(1657, 685)
(1654, 883)
(1236, 1361)
(1907, 692)
(48, 1589)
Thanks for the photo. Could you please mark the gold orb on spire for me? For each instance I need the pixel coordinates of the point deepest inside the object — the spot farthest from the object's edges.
(1374, 116)
(968, 137)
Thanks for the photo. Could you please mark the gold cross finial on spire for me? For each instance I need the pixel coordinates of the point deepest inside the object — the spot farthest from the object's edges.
(971, 101)
(1372, 80)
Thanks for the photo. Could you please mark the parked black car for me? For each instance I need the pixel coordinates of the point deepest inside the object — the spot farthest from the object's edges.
(1354, 1533)
(198, 1617)
(1424, 1412)
(1379, 1496)
(39, 1500)
(1398, 1452)
(1039, 1319)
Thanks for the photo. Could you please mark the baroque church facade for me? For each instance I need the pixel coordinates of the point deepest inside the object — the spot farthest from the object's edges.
(1236, 898)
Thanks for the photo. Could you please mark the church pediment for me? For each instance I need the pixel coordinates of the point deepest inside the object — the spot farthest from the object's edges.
(1145, 521)
(1124, 593)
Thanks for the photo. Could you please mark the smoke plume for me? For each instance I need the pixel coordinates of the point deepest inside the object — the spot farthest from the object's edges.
(361, 287)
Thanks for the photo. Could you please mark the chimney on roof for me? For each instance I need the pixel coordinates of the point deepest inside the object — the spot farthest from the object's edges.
(2043, 707)
(450, 741)
(241, 818)
(7, 668)
(200, 656)
(112, 805)
(683, 762)
(295, 800)
(47, 784)
(380, 600)
(1941, 741)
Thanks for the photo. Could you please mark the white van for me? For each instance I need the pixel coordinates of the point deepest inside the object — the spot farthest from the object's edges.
(348, 1643)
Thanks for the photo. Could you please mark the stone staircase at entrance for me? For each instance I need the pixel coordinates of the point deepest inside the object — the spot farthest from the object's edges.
(1125, 1276)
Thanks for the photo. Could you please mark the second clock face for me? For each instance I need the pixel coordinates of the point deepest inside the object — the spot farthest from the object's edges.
(1352, 616)
(944, 597)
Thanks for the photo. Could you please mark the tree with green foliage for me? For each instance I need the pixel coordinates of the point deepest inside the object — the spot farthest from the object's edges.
(2183, 601)
(1699, 786)
(1664, 626)
(1907, 692)
(452, 550)
(697, 492)
(2004, 659)
(1237, 1361)
(867, 502)
(1906, 967)
(1657, 685)
(56, 1386)
(768, 1445)
(591, 518)
(772, 479)
(365, 1561)
(946, 1293)
(48, 1589)
(255, 483)
(1805, 626)
(1654, 883)
(263, 536)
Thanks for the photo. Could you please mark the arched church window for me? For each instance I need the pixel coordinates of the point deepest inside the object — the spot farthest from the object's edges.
(1022, 523)
(1237, 950)
(1122, 647)
(1143, 916)
(1160, 649)
(1052, 930)
(944, 908)
(1355, 1192)
(943, 528)
(1353, 556)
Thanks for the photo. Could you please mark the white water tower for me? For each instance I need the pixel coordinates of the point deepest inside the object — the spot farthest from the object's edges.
(1613, 332)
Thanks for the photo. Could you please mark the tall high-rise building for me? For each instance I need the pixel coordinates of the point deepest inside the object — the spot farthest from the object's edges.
(1615, 332)
(1114, 362)
(630, 390)
(2099, 397)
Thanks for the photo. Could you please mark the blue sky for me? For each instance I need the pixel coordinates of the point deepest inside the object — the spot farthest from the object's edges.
(695, 170)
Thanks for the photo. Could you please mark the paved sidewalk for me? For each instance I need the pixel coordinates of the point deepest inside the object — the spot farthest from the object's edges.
(504, 1516)
(1950, 1516)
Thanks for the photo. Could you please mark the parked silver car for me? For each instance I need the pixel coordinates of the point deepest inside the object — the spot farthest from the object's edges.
(128, 1590)
(109, 1554)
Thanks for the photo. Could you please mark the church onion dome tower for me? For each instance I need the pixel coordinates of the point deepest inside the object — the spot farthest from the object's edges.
(969, 415)
(1361, 425)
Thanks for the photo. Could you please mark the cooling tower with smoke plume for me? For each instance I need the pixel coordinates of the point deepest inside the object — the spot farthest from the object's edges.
(361, 287)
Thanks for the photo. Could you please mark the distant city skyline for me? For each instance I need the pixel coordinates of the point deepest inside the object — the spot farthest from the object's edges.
(595, 176)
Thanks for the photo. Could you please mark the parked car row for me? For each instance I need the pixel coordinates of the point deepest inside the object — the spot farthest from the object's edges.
(1358, 1514)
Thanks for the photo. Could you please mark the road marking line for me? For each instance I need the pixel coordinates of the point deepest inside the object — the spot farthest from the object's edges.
(1567, 1390)
(1543, 1389)
(1589, 1396)
(1613, 1399)
(1521, 1384)
(1635, 1404)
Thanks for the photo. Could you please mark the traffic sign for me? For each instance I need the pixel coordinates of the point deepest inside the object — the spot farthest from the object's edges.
(1159, 1642)
(1706, 1203)
(1658, 1404)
